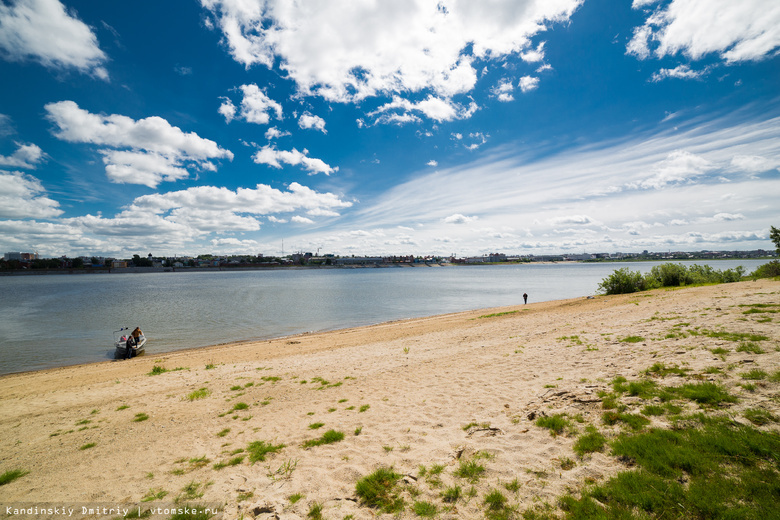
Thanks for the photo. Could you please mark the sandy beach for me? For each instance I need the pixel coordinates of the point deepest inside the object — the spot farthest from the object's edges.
(417, 393)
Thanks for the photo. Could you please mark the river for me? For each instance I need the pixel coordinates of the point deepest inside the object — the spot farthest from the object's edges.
(57, 320)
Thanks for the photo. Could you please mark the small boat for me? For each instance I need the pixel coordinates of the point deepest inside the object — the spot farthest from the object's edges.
(123, 341)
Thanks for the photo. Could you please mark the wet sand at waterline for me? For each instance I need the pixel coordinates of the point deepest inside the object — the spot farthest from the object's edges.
(401, 392)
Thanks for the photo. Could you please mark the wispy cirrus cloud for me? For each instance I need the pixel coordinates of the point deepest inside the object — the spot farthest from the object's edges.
(689, 187)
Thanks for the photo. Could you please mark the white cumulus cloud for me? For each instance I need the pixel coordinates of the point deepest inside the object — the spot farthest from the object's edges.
(272, 157)
(457, 218)
(256, 106)
(25, 156)
(735, 31)
(383, 48)
(435, 108)
(528, 83)
(42, 30)
(309, 121)
(147, 151)
(23, 196)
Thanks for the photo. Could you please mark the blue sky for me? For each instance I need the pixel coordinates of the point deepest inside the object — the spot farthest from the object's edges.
(404, 127)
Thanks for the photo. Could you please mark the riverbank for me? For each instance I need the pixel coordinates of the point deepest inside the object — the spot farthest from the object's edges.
(430, 392)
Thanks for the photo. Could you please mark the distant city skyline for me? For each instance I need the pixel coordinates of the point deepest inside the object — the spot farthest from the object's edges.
(395, 128)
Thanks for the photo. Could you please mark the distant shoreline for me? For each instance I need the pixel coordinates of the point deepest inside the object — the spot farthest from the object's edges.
(136, 270)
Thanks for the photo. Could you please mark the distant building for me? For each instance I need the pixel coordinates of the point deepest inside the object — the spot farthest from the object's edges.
(21, 257)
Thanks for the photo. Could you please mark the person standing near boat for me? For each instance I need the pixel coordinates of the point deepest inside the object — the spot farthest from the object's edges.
(132, 341)
(525, 298)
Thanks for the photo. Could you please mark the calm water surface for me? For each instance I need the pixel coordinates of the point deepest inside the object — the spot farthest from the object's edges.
(56, 320)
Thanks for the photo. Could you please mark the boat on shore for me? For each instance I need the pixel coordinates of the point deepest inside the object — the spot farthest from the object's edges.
(125, 346)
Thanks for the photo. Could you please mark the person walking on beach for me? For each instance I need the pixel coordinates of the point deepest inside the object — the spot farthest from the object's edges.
(525, 298)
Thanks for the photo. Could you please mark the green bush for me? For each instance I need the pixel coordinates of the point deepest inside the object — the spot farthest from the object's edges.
(769, 270)
(623, 281)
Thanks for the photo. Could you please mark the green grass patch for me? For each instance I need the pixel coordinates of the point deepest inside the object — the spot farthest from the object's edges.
(555, 423)
(759, 416)
(633, 421)
(364, 408)
(154, 494)
(240, 406)
(235, 461)
(451, 494)
(140, 417)
(495, 500)
(11, 475)
(157, 370)
(717, 470)
(380, 490)
(88, 446)
(259, 449)
(632, 339)
(224, 432)
(707, 394)
(316, 426)
(425, 509)
(200, 393)
(659, 369)
(497, 314)
(315, 511)
(513, 486)
(589, 442)
(754, 374)
(329, 437)
(733, 336)
(751, 347)
(470, 470)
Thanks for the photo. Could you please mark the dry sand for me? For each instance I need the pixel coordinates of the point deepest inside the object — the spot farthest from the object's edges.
(408, 387)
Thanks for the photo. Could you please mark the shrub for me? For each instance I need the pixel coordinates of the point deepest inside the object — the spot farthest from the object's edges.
(769, 270)
(623, 281)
